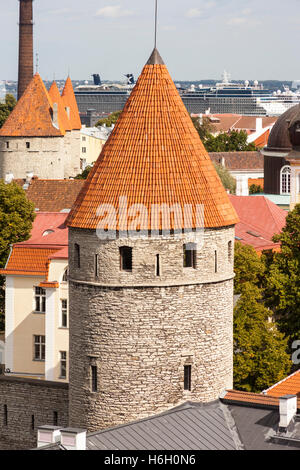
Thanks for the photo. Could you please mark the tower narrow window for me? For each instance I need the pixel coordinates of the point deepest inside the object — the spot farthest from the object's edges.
(5, 415)
(190, 255)
(55, 418)
(188, 378)
(230, 252)
(28, 145)
(32, 422)
(157, 265)
(126, 258)
(77, 255)
(94, 378)
(96, 265)
(216, 261)
(63, 364)
(7, 145)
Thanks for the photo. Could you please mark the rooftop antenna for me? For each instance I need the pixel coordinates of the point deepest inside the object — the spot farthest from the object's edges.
(155, 36)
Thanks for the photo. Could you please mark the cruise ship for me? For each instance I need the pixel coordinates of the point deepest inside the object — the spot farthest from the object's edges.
(226, 97)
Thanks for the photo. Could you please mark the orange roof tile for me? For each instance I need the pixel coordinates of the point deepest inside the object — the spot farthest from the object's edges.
(32, 116)
(154, 156)
(69, 100)
(28, 261)
(254, 399)
(288, 386)
(49, 285)
(63, 120)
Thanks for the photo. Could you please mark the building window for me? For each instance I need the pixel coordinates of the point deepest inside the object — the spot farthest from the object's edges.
(285, 180)
(94, 378)
(230, 252)
(126, 258)
(39, 348)
(77, 255)
(32, 422)
(96, 265)
(83, 139)
(157, 265)
(64, 313)
(188, 378)
(7, 145)
(216, 261)
(55, 418)
(63, 364)
(83, 149)
(190, 256)
(40, 300)
(65, 276)
(5, 415)
(28, 145)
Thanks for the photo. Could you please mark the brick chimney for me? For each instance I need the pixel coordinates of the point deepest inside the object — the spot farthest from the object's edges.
(25, 46)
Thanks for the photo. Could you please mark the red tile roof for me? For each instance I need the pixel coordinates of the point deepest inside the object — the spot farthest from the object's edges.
(230, 122)
(251, 399)
(32, 116)
(53, 195)
(69, 101)
(260, 216)
(63, 120)
(154, 156)
(49, 240)
(288, 386)
(236, 161)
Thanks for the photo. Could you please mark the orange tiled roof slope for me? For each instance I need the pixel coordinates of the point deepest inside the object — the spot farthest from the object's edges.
(53, 195)
(69, 101)
(248, 398)
(288, 386)
(63, 120)
(28, 261)
(32, 116)
(154, 156)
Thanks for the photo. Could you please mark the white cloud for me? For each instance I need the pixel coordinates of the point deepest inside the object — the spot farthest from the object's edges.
(113, 12)
(193, 13)
(237, 21)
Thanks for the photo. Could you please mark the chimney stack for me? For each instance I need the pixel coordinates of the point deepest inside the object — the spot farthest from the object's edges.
(25, 46)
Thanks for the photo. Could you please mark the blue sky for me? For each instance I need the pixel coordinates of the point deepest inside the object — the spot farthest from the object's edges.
(198, 39)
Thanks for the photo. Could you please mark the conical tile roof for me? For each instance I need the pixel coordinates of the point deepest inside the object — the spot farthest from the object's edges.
(154, 156)
(69, 101)
(63, 120)
(32, 115)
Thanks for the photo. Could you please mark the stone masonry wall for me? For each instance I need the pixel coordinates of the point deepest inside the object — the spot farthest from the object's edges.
(25, 398)
(45, 157)
(140, 331)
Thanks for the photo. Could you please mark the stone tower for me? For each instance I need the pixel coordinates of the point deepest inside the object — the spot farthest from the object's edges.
(25, 46)
(150, 313)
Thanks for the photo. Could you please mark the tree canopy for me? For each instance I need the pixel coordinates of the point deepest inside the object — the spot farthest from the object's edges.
(111, 119)
(6, 108)
(234, 141)
(229, 182)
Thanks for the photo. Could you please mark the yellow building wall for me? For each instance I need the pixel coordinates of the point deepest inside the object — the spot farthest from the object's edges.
(93, 146)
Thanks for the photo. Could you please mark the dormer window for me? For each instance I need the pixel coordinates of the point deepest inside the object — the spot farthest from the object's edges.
(126, 258)
(47, 232)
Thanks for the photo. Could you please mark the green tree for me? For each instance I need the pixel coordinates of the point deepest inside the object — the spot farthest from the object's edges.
(205, 129)
(282, 286)
(260, 350)
(235, 141)
(248, 267)
(16, 217)
(255, 189)
(6, 108)
(84, 174)
(111, 119)
(229, 182)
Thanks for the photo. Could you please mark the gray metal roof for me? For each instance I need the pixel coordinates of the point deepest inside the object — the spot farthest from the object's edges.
(189, 427)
